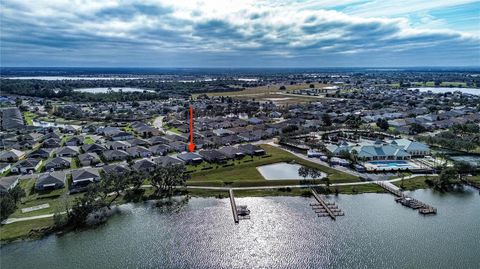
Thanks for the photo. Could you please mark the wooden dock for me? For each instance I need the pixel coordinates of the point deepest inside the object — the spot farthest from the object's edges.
(234, 206)
(325, 209)
(408, 201)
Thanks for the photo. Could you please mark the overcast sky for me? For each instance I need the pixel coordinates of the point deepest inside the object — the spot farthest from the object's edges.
(240, 33)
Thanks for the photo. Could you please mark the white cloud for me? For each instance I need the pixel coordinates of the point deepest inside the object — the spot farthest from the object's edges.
(258, 27)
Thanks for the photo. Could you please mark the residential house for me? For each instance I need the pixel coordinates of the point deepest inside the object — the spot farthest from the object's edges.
(190, 158)
(94, 148)
(49, 181)
(4, 167)
(8, 183)
(12, 155)
(68, 151)
(84, 176)
(232, 152)
(43, 153)
(213, 156)
(89, 158)
(160, 149)
(27, 166)
(115, 155)
(250, 149)
(139, 151)
(58, 163)
(144, 165)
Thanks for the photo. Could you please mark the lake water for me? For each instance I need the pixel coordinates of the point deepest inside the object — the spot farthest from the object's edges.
(47, 124)
(283, 232)
(444, 90)
(71, 78)
(281, 171)
(114, 89)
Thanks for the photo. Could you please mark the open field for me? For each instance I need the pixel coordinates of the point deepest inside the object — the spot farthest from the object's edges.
(22, 230)
(245, 171)
(262, 90)
(432, 84)
(54, 198)
(29, 116)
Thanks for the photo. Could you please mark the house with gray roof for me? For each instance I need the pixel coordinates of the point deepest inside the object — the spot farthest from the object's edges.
(11, 155)
(167, 160)
(49, 181)
(68, 151)
(115, 155)
(190, 158)
(8, 183)
(27, 166)
(84, 176)
(58, 163)
(144, 165)
(232, 152)
(160, 149)
(89, 158)
(43, 153)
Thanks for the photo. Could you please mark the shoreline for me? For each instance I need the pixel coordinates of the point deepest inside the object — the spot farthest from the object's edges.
(47, 226)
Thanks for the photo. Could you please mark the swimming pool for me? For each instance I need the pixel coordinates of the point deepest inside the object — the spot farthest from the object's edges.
(390, 165)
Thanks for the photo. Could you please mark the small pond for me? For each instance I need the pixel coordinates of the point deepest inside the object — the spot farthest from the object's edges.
(282, 171)
(113, 89)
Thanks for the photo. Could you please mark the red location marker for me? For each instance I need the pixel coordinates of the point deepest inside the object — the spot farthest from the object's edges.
(191, 145)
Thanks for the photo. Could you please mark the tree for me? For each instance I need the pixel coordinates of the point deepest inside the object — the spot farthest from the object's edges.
(17, 193)
(164, 179)
(84, 206)
(446, 177)
(7, 206)
(326, 120)
(383, 124)
(314, 174)
(18, 102)
(112, 183)
(303, 172)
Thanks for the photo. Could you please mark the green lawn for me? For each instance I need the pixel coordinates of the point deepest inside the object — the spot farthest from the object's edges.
(29, 116)
(22, 229)
(245, 170)
(88, 140)
(34, 198)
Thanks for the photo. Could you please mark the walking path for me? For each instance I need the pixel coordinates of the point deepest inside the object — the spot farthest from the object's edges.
(13, 220)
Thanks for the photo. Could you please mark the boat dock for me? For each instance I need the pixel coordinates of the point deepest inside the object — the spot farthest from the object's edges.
(234, 206)
(240, 212)
(406, 200)
(324, 208)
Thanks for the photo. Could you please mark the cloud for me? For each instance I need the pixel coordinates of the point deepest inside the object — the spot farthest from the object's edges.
(222, 33)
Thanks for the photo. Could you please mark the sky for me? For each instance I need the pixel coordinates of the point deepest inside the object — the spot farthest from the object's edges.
(239, 33)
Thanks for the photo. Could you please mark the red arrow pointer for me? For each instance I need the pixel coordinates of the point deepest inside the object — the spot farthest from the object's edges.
(191, 145)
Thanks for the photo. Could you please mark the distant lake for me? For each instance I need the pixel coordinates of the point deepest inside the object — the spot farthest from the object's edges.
(445, 90)
(114, 89)
(283, 232)
(72, 78)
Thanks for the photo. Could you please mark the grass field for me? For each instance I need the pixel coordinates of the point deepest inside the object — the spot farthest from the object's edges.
(22, 230)
(34, 198)
(244, 172)
(261, 90)
(29, 116)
